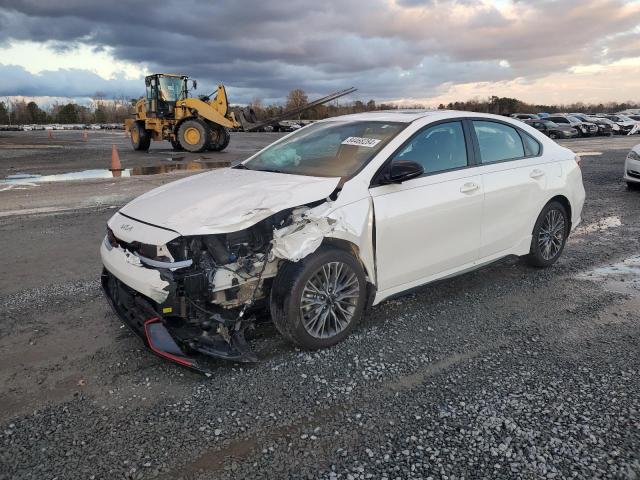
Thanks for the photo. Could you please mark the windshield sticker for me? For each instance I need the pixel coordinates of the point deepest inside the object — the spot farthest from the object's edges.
(361, 141)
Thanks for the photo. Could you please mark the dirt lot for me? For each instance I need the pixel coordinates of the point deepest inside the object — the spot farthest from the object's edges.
(506, 372)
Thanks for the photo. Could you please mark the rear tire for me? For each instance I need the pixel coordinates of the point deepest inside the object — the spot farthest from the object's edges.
(549, 235)
(317, 302)
(194, 135)
(140, 138)
(220, 138)
(633, 186)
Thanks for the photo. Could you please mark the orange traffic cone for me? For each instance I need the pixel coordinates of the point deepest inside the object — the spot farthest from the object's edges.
(50, 135)
(116, 166)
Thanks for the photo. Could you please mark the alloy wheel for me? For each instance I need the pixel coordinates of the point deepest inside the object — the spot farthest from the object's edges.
(329, 300)
(551, 234)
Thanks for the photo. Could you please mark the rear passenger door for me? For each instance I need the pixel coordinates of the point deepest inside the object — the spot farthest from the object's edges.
(514, 178)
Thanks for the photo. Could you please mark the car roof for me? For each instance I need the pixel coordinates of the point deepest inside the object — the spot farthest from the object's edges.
(409, 116)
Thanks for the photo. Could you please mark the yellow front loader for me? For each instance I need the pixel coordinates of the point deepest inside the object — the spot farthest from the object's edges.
(168, 113)
(196, 124)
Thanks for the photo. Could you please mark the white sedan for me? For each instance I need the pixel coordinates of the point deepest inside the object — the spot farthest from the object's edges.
(632, 168)
(337, 216)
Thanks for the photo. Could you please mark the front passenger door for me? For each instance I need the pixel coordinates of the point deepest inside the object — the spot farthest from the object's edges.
(430, 225)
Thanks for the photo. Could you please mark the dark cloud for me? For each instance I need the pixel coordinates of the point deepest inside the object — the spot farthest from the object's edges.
(15, 80)
(388, 50)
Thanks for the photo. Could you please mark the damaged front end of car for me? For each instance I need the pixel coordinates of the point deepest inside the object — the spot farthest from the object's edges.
(202, 293)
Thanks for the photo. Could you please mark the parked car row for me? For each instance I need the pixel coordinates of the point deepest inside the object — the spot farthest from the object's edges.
(66, 126)
(585, 125)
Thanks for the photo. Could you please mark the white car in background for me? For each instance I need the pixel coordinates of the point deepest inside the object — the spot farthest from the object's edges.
(632, 168)
(338, 215)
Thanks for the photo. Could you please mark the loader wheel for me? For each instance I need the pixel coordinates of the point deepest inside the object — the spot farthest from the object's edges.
(140, 138)
(219, 138)
(194, 135)
(176, 145)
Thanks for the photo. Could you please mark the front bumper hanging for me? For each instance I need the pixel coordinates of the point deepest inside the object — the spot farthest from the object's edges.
(168, 341)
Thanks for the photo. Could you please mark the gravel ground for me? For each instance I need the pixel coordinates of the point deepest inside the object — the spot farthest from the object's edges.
(505, 372)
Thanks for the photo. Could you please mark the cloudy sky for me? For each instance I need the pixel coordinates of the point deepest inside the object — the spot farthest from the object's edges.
(426, 51)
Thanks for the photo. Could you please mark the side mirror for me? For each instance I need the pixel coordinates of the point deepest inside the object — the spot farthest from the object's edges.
(194, 84)
(403, 170)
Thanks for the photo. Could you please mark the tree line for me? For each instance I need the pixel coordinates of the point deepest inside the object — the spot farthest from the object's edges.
(20, 112)
(100, 110)
(494, 104)
(507, 106)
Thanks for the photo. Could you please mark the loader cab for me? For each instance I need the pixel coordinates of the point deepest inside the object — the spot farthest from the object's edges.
(163, 91)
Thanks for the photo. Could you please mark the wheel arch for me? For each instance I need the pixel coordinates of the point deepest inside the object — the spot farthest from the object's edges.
(354, 250)
(564, 201)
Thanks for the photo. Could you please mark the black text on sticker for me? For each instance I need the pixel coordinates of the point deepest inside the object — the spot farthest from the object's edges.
(361, 141)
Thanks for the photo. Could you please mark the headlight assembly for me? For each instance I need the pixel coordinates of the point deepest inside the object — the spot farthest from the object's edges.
(632, 155)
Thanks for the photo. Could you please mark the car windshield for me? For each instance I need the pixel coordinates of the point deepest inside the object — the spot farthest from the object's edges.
(327, 149)
(171, 88)
(550, 124)
(573, 119)
(625, 118)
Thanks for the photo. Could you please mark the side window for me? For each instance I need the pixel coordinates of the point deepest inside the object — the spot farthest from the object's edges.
(560, 120)
(497, 141)
(531, 145)
(438, 148)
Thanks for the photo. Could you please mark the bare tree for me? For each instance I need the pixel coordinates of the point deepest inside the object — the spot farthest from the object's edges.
(296, 99)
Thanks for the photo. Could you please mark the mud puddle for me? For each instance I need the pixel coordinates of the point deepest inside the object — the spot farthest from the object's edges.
(25, 178)
(621, 277)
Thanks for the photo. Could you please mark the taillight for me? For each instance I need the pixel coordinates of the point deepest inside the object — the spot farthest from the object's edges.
(578, 161)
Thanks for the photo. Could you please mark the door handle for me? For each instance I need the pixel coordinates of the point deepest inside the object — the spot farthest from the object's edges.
(469, 187)
(536, 173)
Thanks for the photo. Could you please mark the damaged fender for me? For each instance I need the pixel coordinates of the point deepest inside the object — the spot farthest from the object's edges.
(310, 226)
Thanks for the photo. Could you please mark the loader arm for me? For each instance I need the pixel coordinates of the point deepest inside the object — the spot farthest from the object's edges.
(216, 110)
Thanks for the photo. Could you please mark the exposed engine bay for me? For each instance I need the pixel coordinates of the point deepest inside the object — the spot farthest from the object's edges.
(216, 283)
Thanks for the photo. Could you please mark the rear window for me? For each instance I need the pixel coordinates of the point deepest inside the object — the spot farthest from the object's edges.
(497, 141)
(531, 146)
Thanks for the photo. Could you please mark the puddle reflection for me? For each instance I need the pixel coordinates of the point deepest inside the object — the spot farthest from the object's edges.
(106, 173)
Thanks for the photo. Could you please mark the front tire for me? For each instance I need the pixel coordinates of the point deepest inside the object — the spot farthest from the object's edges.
(633, 186)
(549, 235)
(194, 135)
(140, 138)
(316, 302)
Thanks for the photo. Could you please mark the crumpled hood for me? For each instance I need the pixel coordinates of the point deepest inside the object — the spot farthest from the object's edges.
(226, 200)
